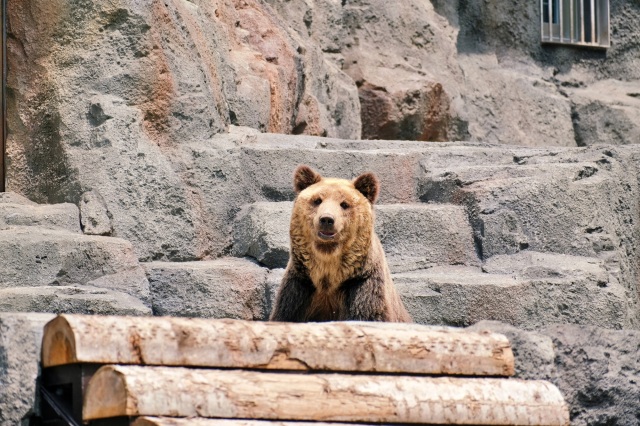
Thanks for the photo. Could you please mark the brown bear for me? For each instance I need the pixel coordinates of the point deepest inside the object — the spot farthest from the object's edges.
(337, 270)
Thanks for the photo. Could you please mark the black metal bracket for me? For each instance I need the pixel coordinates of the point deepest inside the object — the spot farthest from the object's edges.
(60, 409)
(62, 389)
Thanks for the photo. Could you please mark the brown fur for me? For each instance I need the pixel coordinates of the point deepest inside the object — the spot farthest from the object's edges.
(337, 269)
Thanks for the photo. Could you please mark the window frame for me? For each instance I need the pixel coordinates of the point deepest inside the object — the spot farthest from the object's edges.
(576, 22)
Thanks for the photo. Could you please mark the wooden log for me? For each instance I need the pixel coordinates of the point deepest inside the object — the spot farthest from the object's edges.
(181, 392)
(345, 346)
(199, 421)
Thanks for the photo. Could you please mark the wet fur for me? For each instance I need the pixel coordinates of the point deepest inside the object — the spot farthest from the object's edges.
(346, 279)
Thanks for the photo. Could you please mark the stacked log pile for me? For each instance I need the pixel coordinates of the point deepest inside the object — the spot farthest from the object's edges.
(174, 371)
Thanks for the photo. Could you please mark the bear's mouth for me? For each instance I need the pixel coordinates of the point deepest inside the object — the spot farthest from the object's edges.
(326, 235)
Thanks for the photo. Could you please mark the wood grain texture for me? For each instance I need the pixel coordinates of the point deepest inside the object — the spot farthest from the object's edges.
(181, 392)
(343, 346)
(196, 421)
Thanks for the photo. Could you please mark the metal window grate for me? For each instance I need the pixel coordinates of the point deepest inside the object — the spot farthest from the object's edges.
(577, 22)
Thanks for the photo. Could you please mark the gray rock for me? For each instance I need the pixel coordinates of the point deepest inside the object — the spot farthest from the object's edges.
(71, 299)
(261, 231)
(540, 207)
(598, 373)
(413, 236)
(111, 112)
(514, 106)
(56, 216)
(131, 281)
(13, 198)
(393, 62)
(597, 370)
(533, 351)
(20, 340)
(530, 264)
(463, 296)
(225, 288)
(269, 169)
(607, 112)
(36, 257)
(573, 202)
(417, 236)
(94, 214)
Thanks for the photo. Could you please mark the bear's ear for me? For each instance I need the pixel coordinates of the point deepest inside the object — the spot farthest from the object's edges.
(303, 177)
(368, 185)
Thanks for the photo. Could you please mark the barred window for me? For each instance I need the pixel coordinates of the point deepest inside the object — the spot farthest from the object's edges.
(579, 22)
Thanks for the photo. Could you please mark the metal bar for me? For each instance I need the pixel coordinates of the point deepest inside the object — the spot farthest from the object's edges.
(582, 21)
(605, 26)
(550, 13)
(571, 20)
(560, 19)
(593, 21)
(542, 20)
(58, 407)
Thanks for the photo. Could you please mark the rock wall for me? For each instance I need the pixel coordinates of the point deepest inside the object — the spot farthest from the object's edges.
(459, 70)
(115, 101)
(596, 370)
(145, 122)
(89, 82)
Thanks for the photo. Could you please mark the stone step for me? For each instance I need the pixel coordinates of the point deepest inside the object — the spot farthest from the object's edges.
(528, 290)
(13, 198)
(560, 207)
(71, 299)
(414, 236)
(20, 340)
(18, 211)
(222, 288)
(38, 257)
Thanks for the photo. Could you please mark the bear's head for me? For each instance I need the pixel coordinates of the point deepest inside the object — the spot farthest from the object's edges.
(331, 216)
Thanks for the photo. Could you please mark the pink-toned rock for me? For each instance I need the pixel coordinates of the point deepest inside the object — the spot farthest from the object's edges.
(103, 95)
(420, 114)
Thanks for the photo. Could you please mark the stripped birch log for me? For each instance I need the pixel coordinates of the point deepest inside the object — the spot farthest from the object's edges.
(181, 392)
(198, 421)
(345, 346)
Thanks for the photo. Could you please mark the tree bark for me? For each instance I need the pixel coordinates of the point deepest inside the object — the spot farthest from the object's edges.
(180, 392)
(174, 421)
(343, 346)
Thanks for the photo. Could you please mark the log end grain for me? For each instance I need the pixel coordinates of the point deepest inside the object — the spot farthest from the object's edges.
(58, 343)
(109, 395)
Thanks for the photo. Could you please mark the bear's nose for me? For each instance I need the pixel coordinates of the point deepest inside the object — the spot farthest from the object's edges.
(327, 220)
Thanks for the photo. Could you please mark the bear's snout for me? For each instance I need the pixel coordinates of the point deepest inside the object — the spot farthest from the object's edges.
(327, 221)
(327, 227)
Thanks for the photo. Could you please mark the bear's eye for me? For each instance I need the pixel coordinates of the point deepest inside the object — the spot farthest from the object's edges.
(344, 205)
(317, 201)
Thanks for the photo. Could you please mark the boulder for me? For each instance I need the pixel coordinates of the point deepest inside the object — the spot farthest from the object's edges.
(95, 216)
(71, 299)
(64, 217)
(606, 112)
(224, 288)
(461, 296)
(36, 257)
(20, 339)
(261, 231)
(232, 172)
(14, 198)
